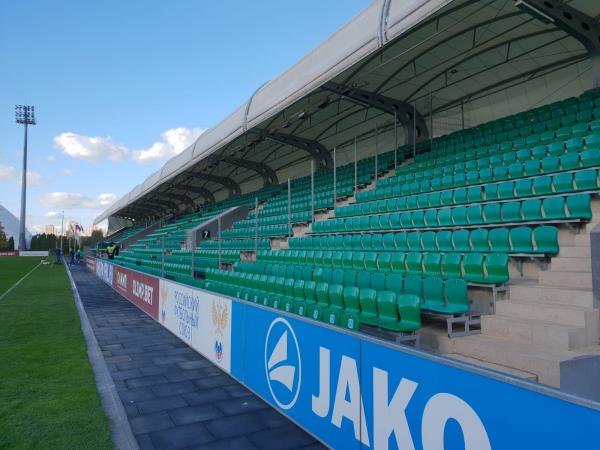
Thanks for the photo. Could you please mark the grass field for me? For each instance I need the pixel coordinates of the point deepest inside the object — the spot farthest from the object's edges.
(12, 268)
(48, 397)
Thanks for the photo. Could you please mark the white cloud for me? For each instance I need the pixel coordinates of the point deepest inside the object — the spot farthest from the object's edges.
(97, 148)
(174, 141)
(68, 171)
(90, 148)
(9, 173)
(53, 214)
(51, 158)
(76, 200)
(36, 229)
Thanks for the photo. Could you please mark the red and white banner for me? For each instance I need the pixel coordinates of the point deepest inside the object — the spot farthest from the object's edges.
(16, 253)
(140, 289)
(90, 263)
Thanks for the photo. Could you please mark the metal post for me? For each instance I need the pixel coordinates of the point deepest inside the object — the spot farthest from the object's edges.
(376, 153)
(219, 238)
(395, 140)
(414, 129)
(62, 230)
(193, 262)
(334, 178)
(22, 242)
(430, 119)
(289, 186)
(162, 252)
(256, 224)
(462, 114)
(312, 189)
(355, 165)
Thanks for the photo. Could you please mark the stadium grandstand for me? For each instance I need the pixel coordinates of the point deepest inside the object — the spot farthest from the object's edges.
(427, 175)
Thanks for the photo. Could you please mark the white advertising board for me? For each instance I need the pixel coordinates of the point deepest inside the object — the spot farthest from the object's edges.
(200, 319)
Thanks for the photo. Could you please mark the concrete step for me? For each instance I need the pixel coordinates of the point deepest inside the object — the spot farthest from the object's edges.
(576, 280)
(538, 360)
(590, 225)
(495, 367)
(553, 295)
(559, 314)
(561, 263)
(569, 251)
(582, 240)
(535, 332)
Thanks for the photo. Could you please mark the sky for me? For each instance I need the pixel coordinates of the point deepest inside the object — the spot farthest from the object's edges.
(121, 86)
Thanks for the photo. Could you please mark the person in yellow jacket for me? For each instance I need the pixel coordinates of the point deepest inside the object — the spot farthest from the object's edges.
(111, 250)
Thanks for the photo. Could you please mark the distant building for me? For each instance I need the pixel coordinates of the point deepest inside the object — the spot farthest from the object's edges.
(50, 229)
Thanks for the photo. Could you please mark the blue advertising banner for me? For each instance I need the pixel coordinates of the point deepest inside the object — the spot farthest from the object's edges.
(352, 391)
(355, 392)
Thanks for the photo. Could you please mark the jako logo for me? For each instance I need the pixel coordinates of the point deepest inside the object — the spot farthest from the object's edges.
(283, 364)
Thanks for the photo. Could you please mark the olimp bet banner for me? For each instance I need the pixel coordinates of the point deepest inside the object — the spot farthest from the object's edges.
(356, 393)
(200, 319)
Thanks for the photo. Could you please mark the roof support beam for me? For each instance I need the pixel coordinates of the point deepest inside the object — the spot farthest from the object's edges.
(233, 188)
(267, 174)
(568, 19)
(205, 193)
(389, 105)
(573, 22)
(166, 205)
(182, 198)
(315, 149)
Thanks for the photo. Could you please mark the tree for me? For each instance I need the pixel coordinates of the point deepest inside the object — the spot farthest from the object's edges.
(3, 241)
(11, 244)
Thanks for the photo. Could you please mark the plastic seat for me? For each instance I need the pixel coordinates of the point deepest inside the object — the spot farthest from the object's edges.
(563, 182)
(550, 164)
(459, 216)
(579, 206)
(349, 278)
(554, 208)
(347, 258)
(367, 299)
(499, 239)
(473, 267)
(511, 212)
(590, 157)
(451, 265)
(358, 261)
(432, 263)
(399, 313)
(377, 281)
(460, 241)
(496, 267)
(475, 214)
(331, 314)
(506, 190)
(546, 240)
(400, 239)
(479, 240)
(521, 240)
(445, 217)
(542, 185)
(524, 188)
(413, 241)
(586, 180)
(388, 241)
(370, 261)
(532, 210)
(457, 300)
(444, 241)
(414, 263)
(433, 294)
(397, 262)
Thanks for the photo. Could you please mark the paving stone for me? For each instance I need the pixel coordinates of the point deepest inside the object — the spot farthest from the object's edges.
(195, 364)
(205, 396)
(124, 374)
(237, 390)
(289, 437)
(241, 405)
(160, 404)
(181, 437)
(150, 422)
(219, 380)
(191, 414)
(238, 443)
(145, 442)
(136, 395)
(149, 380)
(235, 425)
(174, 388)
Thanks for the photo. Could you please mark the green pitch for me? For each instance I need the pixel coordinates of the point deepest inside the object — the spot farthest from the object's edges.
(47, 388)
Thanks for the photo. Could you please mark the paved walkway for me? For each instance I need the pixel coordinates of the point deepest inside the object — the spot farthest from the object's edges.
(175, 398)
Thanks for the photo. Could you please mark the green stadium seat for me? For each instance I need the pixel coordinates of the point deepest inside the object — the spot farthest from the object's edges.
(414, 263)
(521, 240)
(350, 316)
(579, 206)
(460, 241)
(369, 313)
(590, 157)
(378, 281)
(586, 180)
(473, 267)
(432, 263)
(499, 240)
(542, 185)
(554, 208)
(496, 267)
(451, 265)
(563, 182)
(433, 295)
(550, 164)
(492, 213)
(444, 241)
(532, 210)
(479, 240)
(546, 239)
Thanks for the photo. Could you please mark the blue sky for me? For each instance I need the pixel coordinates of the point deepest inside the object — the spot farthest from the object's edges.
(119, 86)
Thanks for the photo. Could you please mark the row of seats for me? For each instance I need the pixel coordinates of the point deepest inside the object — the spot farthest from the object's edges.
(491, 268)
(335, 304)
(237, 244)
(262, 231)
(518, 240)
(563, 183)
(301, 217)
(548, 165)
(572, 208)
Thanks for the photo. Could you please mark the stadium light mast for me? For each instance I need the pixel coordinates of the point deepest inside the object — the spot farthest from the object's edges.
(24, 115)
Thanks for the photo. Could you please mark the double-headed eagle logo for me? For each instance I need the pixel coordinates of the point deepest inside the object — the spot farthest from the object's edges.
(220, 316)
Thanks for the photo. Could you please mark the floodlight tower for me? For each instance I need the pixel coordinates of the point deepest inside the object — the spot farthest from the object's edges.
(26, 116)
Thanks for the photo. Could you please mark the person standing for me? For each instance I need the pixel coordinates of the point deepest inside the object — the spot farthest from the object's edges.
(110, 250)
